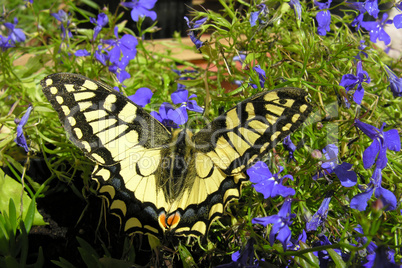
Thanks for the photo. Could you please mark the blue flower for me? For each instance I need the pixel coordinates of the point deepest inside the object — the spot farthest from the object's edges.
(398, 18)
(388, 199)
(350, 81)
(5, 43)
(376, 29)
(372, 8)
(343, 171)
(141, 8)
(100, 23)
(295, 4)
(181, 97)
(242, 259)
(16, 35)
(169, 116)
(395, 83)
(142, 96)
(281, 223)
(289, 145)
(321, 215)
(381, 142)
(383, 257)
(261, 76)
(267, 183)
(102, 55)
(193, 33)
(119, 69)
(359, 19)
(323, 17)
(362, 47)
(82, 53)
(294, 244)
(20, 139)
(254, 16)
(363, 240)
(241, 57)
(123, 49)
(65, 22)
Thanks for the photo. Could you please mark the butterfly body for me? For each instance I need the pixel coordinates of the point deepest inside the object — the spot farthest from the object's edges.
(158, 182)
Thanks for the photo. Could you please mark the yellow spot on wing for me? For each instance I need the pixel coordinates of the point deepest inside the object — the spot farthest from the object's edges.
(240, 145)
(275, 135)
(84, 105)
(200, 227)
(120, 205)
(249, 135)
(258, 126)
(78, 133)
(225, 150)
(99, 159)
(108, 189)
(217, 208)
(295, 117)
(90, 85)
(250, 111)
(271, 96)
(274, 109)
(80, 96)
(48, 82)
(230, 193)
(109, 102)
(287, 127)
(132, 223)
(59, 99)
(232, 120)
(69, 87)
(53, 90)
(65, 110)
(203, 165)
(303, 108)
(128, 113)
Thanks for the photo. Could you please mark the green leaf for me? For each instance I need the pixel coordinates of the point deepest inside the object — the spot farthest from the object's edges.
(336, 258)
(30, 215)
(307, 260)
(186, 257)
(63, 263)
(11, 189)
(88, 254)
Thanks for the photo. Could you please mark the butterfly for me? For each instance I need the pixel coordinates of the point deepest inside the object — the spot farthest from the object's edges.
(161, 182)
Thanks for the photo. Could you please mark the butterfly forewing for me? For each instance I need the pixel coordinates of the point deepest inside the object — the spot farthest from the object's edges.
(99, 120)
(237, 138)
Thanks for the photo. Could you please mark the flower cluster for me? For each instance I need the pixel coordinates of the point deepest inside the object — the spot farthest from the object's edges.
(15, 35)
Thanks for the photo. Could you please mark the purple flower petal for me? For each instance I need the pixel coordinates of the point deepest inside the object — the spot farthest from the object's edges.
(20, 139)
(392, 140)
(179, 96)
(398, 21)
(370, 154)
(359, 202)
(142, 96)
(82, 53)
(347, 176)
(387, 198)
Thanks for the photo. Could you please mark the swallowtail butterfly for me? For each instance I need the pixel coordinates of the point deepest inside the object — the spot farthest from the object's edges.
(159, 182)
